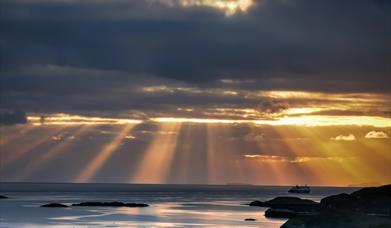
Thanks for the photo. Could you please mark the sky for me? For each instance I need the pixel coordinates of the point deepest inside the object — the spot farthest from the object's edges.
(274, 92)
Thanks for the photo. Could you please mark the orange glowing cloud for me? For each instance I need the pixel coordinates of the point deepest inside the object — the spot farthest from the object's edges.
(376, 135)
(66, 119)
(349, 137)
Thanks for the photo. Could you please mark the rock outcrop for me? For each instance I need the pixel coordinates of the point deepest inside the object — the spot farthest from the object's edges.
(337, 219)
(287, 207)
(376, 200)
(368, 207)
(54, 205)
(110, 204)
(250, 219)
(285, 202)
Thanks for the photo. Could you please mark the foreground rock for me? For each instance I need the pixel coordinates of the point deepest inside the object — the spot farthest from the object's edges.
(3, 197)
(337, 219)
(368, 207)
(54, 205)
(110, 204)
(376, 200)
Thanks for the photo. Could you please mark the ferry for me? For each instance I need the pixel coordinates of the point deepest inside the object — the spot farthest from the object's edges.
(300, 189)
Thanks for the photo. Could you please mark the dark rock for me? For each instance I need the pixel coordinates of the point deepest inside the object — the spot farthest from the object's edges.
(339, 201)
(336, 219)
(382, 191)
(110, 204)
(288, 200)
(257, 203)
(280, 213)
(287, 203)
(370, 200)
(54, 205)
(368, 207)
(250, 219)
(3, 197)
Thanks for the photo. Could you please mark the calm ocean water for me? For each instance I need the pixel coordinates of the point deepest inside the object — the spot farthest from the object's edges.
(170, 205)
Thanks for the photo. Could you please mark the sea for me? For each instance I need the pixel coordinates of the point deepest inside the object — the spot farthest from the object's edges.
(170, 205)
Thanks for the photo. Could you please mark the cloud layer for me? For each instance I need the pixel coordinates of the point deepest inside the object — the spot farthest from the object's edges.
(99, 56)
(349, 137)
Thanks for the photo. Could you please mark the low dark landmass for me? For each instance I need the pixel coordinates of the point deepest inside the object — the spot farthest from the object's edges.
(3, 197)
(284, 202)
(54, 205)
(250, 219)
(110, 204)
(368, 207)
(288, 213)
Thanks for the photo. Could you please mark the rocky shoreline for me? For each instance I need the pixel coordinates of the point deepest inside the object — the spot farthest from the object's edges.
(368, 207)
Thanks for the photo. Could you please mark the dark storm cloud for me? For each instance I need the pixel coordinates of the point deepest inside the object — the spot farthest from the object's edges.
(96, 55)
(14, 117)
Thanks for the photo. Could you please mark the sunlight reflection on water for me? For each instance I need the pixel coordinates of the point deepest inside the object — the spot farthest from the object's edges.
(170, 206)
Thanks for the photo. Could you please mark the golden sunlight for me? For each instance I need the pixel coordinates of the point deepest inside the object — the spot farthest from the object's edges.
(229, 7)
(104, 155)
(156, 161)
(66, 119)
(25, 148)
(60, 147)
(309, 120)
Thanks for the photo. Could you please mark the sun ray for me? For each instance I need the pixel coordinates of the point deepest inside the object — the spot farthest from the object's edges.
(268, 155)
(7, 138)
(25, 148)
(298, 148)
(378, 158)
(213, 161)
(190, 155)
(52, 153)
(221, 154)
(342, 163)
(155, 164)
(104, 155)
(182, 159)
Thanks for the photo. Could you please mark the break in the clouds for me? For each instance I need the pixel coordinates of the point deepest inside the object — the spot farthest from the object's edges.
(196, 58)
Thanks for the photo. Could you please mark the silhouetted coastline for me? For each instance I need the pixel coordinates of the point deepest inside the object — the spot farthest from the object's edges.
(367, 207)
